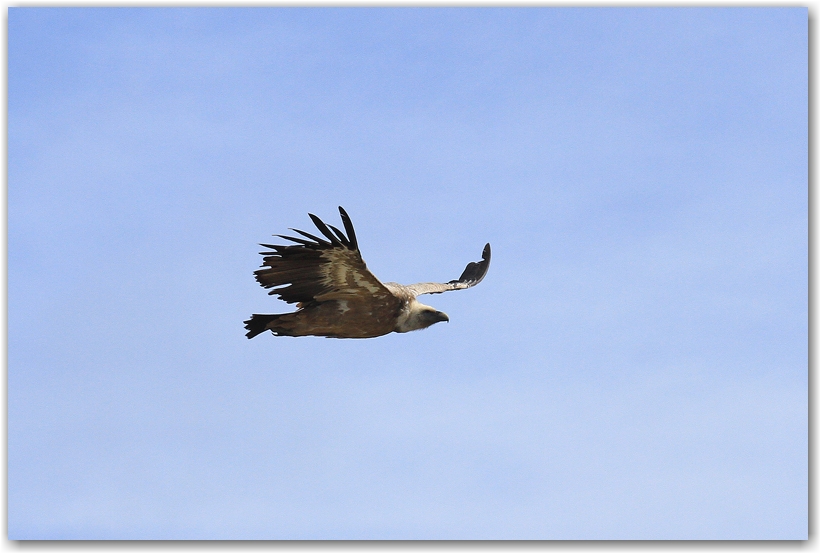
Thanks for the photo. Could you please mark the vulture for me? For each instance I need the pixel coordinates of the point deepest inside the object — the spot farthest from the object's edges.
(337, 296)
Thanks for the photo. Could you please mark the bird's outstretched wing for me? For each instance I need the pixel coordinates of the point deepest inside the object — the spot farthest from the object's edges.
(317, 270)
(472, 275)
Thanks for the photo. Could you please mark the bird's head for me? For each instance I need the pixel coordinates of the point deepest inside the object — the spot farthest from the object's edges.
(420, 316)
(431, 317)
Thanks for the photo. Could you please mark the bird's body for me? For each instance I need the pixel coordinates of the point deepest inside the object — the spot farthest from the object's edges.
(337, 296)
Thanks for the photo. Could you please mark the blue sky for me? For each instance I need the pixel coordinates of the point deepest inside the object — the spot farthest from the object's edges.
(634, 365)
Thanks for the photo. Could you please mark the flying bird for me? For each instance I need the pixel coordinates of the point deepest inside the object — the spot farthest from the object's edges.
(337, 296)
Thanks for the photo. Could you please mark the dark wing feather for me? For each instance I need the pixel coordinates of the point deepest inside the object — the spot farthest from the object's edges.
(291, 238)
(341, 236)
(317, 270)
(351, 235)
(475, 270)
(324, 230)
(472, 275)
(316, 239)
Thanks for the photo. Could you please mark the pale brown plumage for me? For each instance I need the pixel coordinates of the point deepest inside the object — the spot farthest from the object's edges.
(337, 296)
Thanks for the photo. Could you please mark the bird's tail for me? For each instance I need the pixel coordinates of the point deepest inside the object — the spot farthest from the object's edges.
(258, 324)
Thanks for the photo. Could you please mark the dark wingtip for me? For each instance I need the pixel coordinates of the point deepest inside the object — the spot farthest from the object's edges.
(341, 235)
(324, 230)
(348, 224)
(476, 270)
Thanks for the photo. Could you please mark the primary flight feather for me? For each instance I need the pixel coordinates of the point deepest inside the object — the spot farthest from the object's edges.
(337, 296)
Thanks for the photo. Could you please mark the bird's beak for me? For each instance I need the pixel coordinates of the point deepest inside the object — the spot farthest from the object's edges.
(442, 316)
